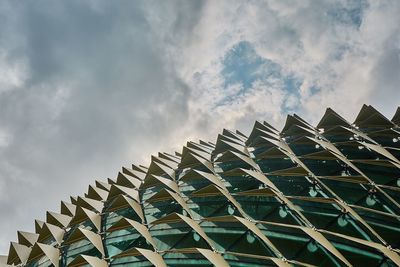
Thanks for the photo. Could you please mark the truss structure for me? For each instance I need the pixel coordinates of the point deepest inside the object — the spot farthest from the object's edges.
(305, 196)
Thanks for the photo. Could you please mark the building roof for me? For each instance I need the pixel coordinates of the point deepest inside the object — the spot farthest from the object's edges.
(326, 195)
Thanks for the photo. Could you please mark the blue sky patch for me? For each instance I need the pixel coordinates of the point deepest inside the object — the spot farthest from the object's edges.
(242, 66)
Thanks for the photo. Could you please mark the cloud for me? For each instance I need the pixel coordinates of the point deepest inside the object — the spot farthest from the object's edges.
(86, 87)
(95, 91)
(339, 54)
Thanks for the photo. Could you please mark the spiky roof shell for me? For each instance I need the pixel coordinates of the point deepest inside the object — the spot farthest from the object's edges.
(326, 195)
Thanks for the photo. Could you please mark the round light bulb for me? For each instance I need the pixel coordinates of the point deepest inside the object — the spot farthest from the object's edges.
(250, 238)
(313, 191)
(282, 212)
(231, 210)
(370, 200)
(196, 237)
(312, 246)
(342, 221)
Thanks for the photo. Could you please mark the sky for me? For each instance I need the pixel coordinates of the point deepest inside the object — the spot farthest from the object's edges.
(87, 87)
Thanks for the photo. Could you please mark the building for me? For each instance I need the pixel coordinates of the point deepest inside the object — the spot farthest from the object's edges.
(327, 195)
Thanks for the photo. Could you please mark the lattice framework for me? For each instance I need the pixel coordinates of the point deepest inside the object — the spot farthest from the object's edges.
(326, 195)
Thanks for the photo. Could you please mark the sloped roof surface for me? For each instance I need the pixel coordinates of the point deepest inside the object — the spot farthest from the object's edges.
(307, 196)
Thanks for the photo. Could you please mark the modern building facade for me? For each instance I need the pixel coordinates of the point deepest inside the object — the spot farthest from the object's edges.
(305, 196)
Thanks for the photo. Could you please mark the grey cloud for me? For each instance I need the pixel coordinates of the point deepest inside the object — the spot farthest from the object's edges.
(386, 72)
(100, 93)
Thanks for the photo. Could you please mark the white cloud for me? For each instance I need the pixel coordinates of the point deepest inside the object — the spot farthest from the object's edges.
(13, 73)
(343, 49)
(5, 138)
